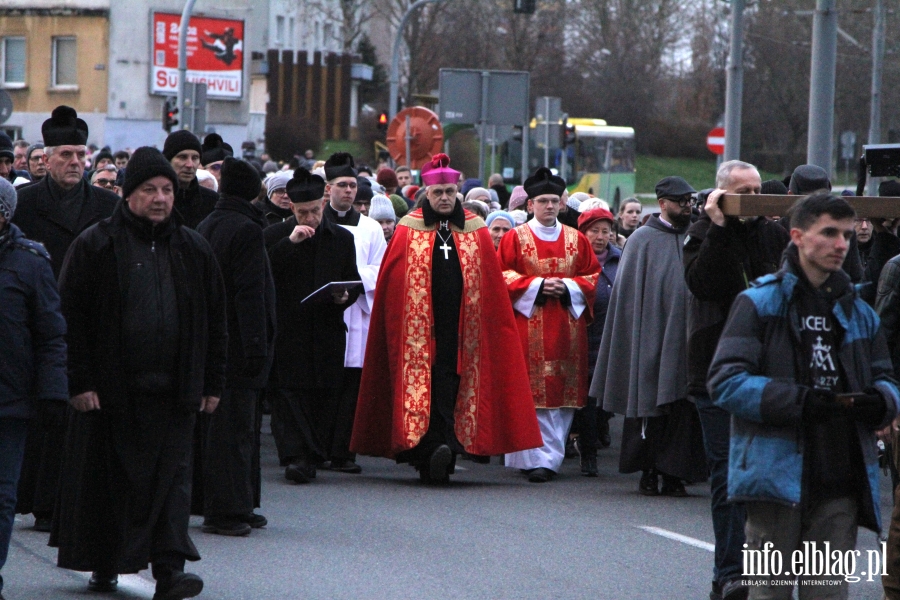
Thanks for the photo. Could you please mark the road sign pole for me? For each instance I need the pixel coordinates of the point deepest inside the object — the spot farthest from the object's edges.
(821, 85)
(182, 58)
(734, 85)
(877, 61)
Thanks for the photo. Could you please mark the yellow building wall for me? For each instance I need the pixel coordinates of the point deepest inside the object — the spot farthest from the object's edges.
(92, 50)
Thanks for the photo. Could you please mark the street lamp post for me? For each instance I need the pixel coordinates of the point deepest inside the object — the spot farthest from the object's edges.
(182, 60)
(395, 57)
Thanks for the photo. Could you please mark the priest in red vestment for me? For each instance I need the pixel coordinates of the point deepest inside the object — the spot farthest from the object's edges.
(438, 376)
(551, 273)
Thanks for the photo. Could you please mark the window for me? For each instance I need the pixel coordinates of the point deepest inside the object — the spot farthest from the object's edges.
(279, 30)
(290, 40)
(12, 67)
(65, 72)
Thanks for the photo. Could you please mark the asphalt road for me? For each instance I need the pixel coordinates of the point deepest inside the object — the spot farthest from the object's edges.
(489, 534)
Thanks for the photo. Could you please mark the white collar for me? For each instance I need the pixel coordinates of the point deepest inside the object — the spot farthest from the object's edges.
(547, 234)
(666, 223)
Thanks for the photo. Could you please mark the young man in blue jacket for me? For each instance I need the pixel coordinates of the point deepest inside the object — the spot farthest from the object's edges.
(803, 367)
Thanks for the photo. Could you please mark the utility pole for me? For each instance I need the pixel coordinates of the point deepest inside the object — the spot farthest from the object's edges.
(395, 56)
(734, 83)
(821, 85)
(182, 59)
(877, 61)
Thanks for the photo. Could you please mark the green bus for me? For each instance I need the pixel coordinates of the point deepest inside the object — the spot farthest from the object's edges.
(597, 158)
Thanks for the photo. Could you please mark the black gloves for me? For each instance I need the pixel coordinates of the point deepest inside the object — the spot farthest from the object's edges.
(820, 405)
(253, 366)
(869, 408)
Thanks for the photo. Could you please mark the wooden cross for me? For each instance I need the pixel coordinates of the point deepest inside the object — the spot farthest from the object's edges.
(446, 249)
(754, 205)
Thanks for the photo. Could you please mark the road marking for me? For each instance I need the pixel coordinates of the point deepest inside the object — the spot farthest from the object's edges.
(678, 537)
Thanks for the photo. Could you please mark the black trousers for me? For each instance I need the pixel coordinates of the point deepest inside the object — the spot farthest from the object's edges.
(303, 420)
(346, 412)
(230, 451)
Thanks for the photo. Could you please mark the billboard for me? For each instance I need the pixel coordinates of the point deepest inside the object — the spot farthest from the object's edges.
(215, 55)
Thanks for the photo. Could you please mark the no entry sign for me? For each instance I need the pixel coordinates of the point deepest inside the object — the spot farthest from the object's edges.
(715, 141)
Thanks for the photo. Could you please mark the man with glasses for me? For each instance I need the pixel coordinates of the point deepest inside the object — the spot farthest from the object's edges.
(35, 161)
(105, 177)
(277, 205)
(642, 368)
(349, 197)
(436, 382)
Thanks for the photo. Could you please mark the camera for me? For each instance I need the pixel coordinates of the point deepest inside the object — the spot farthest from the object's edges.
(882, 160)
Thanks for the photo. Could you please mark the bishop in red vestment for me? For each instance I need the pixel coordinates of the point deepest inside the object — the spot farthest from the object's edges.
(551, 273)
(439, 377)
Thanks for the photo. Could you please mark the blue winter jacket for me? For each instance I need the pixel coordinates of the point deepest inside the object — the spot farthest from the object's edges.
(754, 377)
(32, 345)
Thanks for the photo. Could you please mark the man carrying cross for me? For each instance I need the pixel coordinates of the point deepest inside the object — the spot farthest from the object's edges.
(439, 376)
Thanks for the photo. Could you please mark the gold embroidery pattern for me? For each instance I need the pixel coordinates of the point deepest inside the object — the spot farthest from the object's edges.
(528, 249)
(465, 413)
(415, 222)
(417, 318)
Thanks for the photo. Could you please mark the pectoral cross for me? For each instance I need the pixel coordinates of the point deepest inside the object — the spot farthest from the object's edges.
(446, 249)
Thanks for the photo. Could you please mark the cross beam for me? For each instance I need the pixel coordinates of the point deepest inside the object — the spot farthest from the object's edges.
(771, 205)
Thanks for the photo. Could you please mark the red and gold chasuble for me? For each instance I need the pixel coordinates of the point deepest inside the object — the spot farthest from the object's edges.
(554, 342)
(494, 411)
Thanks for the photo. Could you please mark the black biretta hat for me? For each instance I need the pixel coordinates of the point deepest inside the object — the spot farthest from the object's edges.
(305, 187)
(214, 149)
(64, 128)
(339, 164)
(544, 182)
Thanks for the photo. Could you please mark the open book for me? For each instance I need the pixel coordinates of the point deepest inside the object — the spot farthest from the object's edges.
(324, 293)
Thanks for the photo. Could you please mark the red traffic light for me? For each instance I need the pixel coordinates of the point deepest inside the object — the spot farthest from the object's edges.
(382, 119)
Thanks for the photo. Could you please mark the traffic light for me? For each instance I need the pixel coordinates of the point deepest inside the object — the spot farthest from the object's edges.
(382, 122)
(169, 111)
(568, 133)
(524, 7)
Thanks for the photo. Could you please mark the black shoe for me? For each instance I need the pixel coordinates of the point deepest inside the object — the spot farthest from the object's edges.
(603, 438)
(734, 590)
(254, 520)
(649, 485)
(589, 465)
(179, 586)
(103, 582)
(297, 473)
(439, 464)
(43, 524)
(342, 466)
(540, 475)
(672, 486)
(225, 526)
(716, 592)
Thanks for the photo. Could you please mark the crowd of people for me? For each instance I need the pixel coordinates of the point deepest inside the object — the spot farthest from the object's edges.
(157, 303)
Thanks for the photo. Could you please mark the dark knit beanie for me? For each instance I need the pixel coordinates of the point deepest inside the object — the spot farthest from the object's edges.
(773, 186)
(214, 149)
(64, 128)
(889, 188)
(388, 178)
(146, 163)
(239, 179)
(6, 146)
(100, 156)
(181, 140)
(363, 189)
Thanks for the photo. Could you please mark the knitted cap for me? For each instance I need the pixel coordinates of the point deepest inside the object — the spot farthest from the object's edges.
(64, 128)
(773, 186)
(6, 146)
(478, 193)
(382, 209)
(277, 181)
(388, 178)
(809, 178)
(517, 198)
(239, 179)
(500, 214)
(181, 140)
(364, 189)
(214, 149)
(8, 199)
(146, 163)
(889, 187)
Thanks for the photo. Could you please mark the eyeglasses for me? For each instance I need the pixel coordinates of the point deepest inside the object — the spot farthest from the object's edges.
(217, 167)
(107, 183)
(36, 158)
(281, 192)
(345, 184)
(860, 221)
(364, 203)
(683, 201)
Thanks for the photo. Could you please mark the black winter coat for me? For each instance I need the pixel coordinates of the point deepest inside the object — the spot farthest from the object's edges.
(91, 286)
(311, 337)
(720, 263)
(36, 218)
(194, 203)
(234, 230)
(32, 346)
